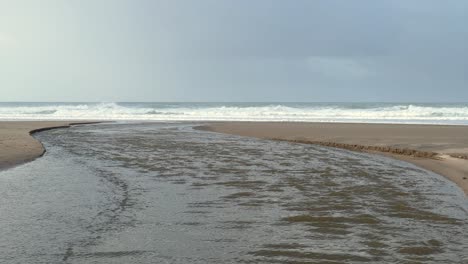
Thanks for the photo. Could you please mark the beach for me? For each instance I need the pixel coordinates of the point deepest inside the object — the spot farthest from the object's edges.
(442, 149)
(209, 132)
(17, 146)
(102, 193)
(439, 148)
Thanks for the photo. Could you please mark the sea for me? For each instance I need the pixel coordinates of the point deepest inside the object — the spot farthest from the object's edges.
(420, 113)
(151, 188)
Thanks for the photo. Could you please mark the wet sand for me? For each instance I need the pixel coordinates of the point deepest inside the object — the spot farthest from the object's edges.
(17, 146)
(439, 148)
(103, 193)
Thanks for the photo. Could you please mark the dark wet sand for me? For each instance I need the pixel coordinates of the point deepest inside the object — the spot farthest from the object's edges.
(16, 144)
(442, 149)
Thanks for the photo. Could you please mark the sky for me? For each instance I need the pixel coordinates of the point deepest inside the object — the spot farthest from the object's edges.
(234, 50)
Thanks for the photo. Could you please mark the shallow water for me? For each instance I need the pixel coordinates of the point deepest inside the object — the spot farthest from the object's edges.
(165, 193)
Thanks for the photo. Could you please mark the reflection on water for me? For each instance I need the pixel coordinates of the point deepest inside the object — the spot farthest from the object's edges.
(164, 193)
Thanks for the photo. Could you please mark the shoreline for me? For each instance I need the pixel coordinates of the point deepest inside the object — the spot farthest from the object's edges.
(437, 148)
(446, 155)
(17, 143)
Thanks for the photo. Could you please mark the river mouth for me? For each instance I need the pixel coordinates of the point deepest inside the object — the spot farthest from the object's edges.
(165, 193)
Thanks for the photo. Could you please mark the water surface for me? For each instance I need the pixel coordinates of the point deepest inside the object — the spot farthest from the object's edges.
(372, 112)
(165, 193)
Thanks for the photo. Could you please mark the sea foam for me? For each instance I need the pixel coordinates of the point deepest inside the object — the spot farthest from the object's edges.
(314, 112)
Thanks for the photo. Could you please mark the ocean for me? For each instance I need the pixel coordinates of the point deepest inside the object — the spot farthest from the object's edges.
(166, 193)
(415, 113)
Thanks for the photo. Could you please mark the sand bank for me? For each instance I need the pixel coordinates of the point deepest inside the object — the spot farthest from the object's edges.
(17, 146)
(438, 148)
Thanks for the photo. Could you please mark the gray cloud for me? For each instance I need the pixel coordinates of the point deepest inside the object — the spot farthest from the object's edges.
(211, 50)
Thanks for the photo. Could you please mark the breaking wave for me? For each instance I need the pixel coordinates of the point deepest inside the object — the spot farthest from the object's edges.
(331, 112)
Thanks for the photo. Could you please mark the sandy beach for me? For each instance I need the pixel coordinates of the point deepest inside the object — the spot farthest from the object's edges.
(17, 146)
(439, 148)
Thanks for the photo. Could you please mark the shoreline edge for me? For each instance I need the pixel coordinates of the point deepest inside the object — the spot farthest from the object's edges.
(18, 145)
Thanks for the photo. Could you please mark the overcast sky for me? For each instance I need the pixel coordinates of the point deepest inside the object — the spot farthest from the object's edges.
(236, 50)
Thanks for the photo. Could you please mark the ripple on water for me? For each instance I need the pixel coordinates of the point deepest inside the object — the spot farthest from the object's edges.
(167, 193)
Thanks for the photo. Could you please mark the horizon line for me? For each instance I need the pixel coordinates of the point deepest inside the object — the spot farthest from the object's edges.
(233, 102)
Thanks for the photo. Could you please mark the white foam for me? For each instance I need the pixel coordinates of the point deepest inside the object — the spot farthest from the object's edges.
(402, 113)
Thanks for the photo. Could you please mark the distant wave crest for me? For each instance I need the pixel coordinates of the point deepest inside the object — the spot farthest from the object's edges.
(399, 113)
